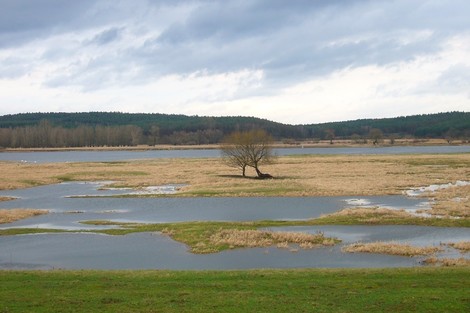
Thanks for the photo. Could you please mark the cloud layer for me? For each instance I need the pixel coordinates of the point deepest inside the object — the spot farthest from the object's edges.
(290, 61)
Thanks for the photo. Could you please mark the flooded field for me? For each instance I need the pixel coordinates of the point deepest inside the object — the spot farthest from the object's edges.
(71, 203)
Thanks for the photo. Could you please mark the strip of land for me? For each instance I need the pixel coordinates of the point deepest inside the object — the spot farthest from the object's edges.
(305, 175)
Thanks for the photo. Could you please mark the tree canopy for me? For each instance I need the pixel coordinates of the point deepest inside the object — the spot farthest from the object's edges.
(251, 148)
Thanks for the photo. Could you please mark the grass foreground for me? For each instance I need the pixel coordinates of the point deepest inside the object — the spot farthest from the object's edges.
(359, 290)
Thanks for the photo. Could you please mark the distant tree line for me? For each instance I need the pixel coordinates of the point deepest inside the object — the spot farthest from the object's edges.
(44, 135)
(95, 129)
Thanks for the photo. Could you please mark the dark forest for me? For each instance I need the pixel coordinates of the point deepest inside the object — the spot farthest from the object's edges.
(97, 129)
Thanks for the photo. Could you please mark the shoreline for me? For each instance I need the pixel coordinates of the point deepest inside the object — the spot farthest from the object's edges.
(279, 145)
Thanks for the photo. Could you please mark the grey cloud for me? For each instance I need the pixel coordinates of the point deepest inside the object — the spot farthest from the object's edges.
(289, 40)
(25, 15)
(106, 36)
(24, 20)
(232, 20)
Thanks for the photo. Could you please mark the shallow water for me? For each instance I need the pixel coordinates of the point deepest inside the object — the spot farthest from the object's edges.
(155, 251)
(67, 212)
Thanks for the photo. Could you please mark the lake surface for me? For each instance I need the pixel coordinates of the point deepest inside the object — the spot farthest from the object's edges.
(110, 156)
(155, 251)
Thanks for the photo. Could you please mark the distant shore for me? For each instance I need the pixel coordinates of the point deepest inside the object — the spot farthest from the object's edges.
(297, 144)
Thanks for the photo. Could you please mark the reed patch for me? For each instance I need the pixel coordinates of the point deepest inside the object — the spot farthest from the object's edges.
(12, 215)
(235, 238)
(391, 248)
(6, 199)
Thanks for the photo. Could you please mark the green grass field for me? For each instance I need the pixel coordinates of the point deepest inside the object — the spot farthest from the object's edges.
(358, 290)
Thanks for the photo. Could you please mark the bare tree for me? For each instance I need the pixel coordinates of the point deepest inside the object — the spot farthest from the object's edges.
(252, 148)
(375, 135)
(330, 135)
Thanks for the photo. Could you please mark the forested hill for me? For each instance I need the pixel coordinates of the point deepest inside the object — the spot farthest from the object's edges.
(455, 124)
(167, 123)
(118, 129)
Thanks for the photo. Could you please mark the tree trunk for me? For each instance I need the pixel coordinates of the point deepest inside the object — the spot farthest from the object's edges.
(262, 175)
(243, 171)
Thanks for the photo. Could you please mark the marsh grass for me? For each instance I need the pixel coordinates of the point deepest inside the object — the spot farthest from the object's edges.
(12, 215)
(392, 248)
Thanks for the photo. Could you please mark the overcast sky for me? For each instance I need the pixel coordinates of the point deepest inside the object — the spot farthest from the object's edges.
(296, 61)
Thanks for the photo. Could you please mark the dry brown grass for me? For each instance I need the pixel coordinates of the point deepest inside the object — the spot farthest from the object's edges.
(6, 198)
(390, 248)
(235, 238)
(462, 245)
(11, 215)
(447, 261)
(454, 202)
(294, 176)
